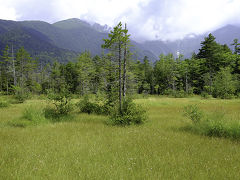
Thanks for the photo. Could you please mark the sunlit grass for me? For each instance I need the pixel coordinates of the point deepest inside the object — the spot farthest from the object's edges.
(87, 148)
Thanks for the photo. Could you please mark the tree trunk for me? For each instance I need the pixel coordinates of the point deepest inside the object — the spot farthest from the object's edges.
(7, 85)
(0, 83)
(14, 71)
(186, 83)
(125, 68)
(120, 77)
(211, 82)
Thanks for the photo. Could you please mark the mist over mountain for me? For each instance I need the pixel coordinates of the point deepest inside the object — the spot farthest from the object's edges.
(192, 43)
(64, 40)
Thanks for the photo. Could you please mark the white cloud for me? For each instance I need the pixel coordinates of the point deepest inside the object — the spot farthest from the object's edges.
(7, 11)
(175, 19)
(147, 19)
(104, 11)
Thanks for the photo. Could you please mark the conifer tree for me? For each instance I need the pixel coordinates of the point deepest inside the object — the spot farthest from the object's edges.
(117, 43)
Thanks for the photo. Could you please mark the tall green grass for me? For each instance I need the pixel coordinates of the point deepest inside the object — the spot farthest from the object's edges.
(31, 116)
(86, 148)
(214, 124)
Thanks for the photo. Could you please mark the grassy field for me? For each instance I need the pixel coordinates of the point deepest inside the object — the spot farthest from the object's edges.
(87, 148)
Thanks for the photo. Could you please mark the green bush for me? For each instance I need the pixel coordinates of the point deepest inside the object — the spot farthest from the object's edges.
(205, 95)
(193, 112)
(214, 125)
(21, 98)
(224, 85)
(31, 116)
(177, 93)
(34, 115)
(87, 106)
(130, 114)
(180, 94)
(61, 101)
(214, 128)
(20, 94)
(52, 115)
(238, 95)
(3, 104)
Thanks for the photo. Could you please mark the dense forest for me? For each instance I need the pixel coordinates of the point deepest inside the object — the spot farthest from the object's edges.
(213, 71)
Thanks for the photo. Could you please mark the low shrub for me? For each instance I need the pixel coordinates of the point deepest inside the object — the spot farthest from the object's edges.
(20, 94)
(62, 102)
(205, 95)
(3, 104)
(212, 125)
(34, 115)
(131, 114)
(177, 93)
(93, 107)
(31, 116)
(193, 112)
(238, 95)
(20, 98)
(180, 94)
(52, 115)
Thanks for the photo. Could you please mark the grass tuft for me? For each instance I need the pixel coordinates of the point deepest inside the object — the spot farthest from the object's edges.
(32, 116)
(3, 104)
(213, 125)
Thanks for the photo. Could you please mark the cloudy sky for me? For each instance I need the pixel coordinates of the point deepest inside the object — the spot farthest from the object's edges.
(146, 19)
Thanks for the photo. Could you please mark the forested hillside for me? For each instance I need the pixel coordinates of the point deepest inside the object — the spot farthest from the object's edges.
(60, 41)
(37, 44)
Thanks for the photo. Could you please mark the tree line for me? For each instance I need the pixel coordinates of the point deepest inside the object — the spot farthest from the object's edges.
(214, 70)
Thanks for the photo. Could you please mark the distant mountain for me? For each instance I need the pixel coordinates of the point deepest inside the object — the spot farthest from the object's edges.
(192, 43)
(227, 34)
(73, 34)
(36, 43)
(62, 40)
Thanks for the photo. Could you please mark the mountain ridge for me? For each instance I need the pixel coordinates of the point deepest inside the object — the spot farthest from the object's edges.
(73, 36)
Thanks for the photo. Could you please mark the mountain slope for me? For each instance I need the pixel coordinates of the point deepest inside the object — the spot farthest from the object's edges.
(63, 40)
(79, 36)
(227, 34)
(37, 44)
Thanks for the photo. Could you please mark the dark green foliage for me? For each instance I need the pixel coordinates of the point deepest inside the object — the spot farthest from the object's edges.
(236, 45)
(52, 115)
(145, 77)
(131, 114)
(205, 95)
(71, 75)
(62, 103)
(179, 94)
(93, 107)
(209, 51)
(3, 104)
(20, 94)
(224, 86)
